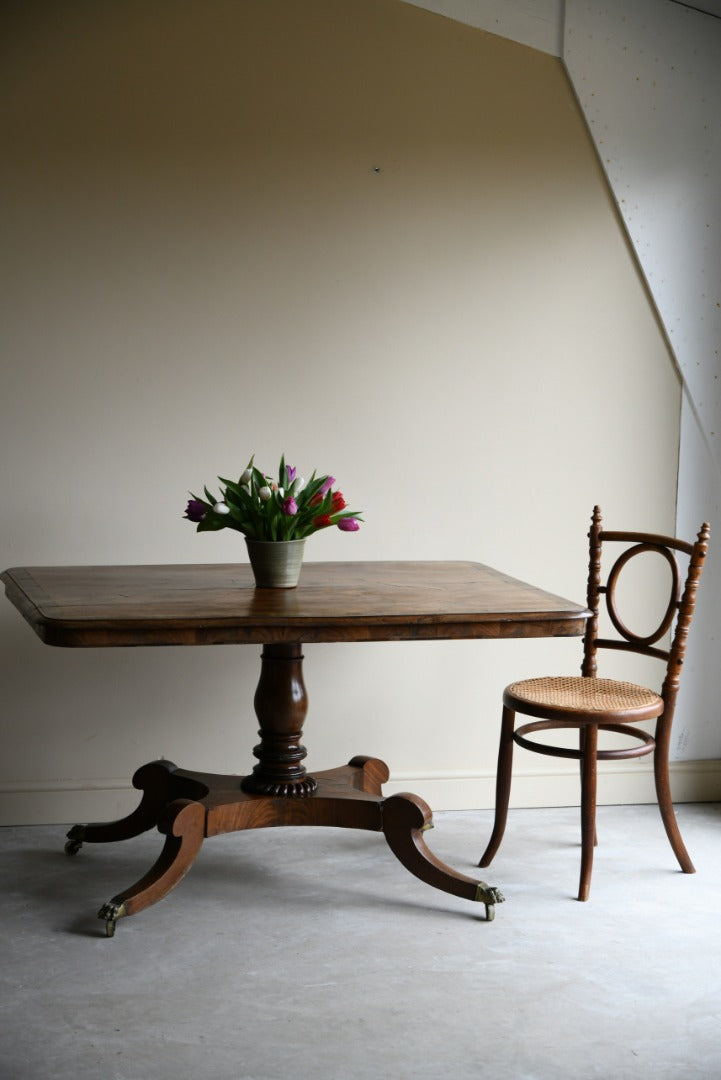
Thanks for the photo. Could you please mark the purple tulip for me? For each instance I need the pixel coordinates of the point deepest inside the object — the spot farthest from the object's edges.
(290, 507)
(327, 484)
(290, 473)
(195, 510)
(350, 524)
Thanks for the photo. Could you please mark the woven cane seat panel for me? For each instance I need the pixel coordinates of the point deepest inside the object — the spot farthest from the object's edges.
(579, 694)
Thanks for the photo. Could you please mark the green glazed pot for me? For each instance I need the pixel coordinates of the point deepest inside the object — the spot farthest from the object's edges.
(276, 563)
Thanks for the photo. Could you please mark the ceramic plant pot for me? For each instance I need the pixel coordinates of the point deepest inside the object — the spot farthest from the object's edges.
(276, 563)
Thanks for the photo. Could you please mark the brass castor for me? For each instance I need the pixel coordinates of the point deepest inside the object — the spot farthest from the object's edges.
(111, 912)
(489, 895)
(75, 840)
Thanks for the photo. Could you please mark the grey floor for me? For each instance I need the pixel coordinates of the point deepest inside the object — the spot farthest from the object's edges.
(314, 953)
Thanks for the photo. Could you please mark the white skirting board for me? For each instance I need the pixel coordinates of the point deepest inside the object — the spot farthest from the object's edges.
(45, 802)
(625, 783)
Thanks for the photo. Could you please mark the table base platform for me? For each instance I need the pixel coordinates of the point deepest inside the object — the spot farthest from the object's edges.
(186, 807)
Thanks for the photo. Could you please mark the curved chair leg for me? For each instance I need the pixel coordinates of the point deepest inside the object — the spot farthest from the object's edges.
(184, 825)
(503, 786)
(588, 808)
(405, 819)
(665, 804)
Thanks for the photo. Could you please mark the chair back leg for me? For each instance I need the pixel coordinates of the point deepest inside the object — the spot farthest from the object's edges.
(665, 805)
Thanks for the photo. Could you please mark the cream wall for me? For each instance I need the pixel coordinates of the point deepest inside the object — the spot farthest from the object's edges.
(649, 82)
(350, 230)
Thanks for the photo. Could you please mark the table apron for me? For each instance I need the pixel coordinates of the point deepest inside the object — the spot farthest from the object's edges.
(98, 636)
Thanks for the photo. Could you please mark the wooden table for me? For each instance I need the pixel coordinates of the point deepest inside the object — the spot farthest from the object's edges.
(104, 606)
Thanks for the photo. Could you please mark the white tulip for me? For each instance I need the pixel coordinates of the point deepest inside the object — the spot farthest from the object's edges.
(264, 494)
(221, 508)
(245, 478)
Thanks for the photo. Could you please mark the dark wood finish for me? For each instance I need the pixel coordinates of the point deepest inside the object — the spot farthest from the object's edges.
(589, 714)
(201, 605)
(281, 705)
(81, 606)
(348, 797)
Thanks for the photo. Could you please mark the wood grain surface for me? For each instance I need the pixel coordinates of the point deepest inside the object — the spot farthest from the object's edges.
(96, 606)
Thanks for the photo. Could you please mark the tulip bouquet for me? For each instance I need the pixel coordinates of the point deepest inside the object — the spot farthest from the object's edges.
(263, 508)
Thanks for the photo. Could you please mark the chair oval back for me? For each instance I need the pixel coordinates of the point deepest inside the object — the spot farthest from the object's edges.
(673, 599)
(680, 607)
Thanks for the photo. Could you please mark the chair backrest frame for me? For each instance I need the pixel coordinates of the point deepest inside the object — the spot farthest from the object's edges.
(682, 601)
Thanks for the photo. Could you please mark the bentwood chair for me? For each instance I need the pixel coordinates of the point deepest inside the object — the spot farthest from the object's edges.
(592, 704)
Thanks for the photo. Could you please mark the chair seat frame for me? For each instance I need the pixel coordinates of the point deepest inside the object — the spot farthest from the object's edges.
(648, 743)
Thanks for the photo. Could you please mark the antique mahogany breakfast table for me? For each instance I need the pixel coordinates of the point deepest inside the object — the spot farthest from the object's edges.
(104, 606)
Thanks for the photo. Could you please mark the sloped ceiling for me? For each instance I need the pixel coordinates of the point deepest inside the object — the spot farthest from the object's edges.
(538, 23)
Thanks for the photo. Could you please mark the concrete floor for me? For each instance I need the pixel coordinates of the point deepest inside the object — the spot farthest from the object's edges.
(314, 953)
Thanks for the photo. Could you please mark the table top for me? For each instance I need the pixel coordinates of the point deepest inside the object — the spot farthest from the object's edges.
(95, 606)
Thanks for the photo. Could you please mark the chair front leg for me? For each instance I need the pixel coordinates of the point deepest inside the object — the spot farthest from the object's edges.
(581, 744)
(503, 785)
(588, 808)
